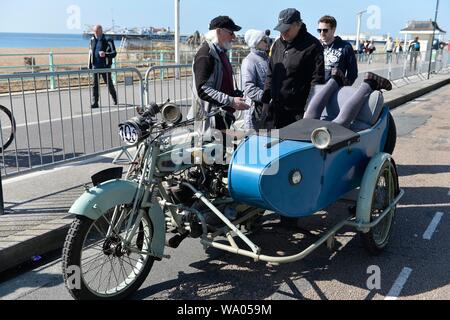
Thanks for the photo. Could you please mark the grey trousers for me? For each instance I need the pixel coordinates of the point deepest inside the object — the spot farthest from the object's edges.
(348, 112)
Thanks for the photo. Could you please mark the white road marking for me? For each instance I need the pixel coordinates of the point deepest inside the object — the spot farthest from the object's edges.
(397, 288)
(433, 225)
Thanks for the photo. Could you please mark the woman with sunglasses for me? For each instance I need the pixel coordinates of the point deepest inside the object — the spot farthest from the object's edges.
(337, 52)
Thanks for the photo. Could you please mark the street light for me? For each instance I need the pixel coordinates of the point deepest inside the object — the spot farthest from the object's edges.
(177, 31)
(432, 39)
(358, 31)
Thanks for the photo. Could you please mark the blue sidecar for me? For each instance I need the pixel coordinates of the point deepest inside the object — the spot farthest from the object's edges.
(288, 174)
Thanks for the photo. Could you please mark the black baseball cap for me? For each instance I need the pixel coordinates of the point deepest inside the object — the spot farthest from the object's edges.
(223, 22)
(286, 18)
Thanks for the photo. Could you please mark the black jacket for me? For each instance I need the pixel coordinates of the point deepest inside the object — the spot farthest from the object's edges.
(107, 46)
(293, 69)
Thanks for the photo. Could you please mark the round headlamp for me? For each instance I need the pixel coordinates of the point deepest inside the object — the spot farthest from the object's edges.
(171, 113)
(321, 138)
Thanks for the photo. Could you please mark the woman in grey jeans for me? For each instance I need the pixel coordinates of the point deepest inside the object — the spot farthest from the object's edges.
(254, 72)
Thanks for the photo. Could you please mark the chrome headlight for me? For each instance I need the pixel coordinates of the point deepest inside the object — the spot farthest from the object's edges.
(171, 113)
(321, 138)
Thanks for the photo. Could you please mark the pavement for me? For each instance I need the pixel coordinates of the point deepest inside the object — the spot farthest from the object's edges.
(37, 204)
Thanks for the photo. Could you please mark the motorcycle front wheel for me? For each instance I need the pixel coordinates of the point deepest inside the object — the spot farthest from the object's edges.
(108, 269)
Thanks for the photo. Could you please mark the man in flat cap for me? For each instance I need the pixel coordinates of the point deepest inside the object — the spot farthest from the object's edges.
(213, 77)
(296, 64)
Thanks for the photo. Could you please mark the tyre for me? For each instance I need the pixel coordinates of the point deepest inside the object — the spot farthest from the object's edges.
(385, 191)
(391, 141)
(8, 128)
(108, 268)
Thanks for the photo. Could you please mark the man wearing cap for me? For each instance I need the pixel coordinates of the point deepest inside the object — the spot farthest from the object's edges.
(213, 77)
(296, 64)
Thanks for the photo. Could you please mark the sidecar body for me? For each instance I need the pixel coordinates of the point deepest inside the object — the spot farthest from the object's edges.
(287, 174)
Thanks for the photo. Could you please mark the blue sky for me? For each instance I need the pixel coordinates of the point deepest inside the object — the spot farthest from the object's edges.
(51, 16)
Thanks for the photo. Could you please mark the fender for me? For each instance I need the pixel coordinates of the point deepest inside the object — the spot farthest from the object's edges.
(365, 197)
(98, 200)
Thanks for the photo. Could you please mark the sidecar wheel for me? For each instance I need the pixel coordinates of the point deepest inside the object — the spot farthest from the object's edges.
(107, 270)
(385, 191)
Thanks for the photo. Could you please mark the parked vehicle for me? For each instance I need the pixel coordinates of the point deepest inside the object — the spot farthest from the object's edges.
(121, 223)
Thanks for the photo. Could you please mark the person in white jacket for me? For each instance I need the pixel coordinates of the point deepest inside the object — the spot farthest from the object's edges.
(254, 72)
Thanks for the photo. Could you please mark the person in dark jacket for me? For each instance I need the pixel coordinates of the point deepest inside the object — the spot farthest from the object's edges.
(296, 64)
(337, 52)
(102, 51)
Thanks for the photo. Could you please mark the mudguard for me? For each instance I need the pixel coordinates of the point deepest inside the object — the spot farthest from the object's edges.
(98, 200)
(369, 181)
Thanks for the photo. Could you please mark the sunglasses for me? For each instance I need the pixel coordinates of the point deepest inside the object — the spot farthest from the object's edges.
(322, 30)
(231, 33)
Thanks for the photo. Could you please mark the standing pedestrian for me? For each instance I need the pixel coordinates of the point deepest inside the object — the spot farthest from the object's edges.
(371, 48)
(296, 64)
(398, 52)
(102, 51)
(213, 79)
(254, 73)
(389, 49)
(337, 52)
(414, 51)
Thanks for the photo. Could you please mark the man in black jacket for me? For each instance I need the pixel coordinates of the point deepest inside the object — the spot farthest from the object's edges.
(102, 51)
(296, 64)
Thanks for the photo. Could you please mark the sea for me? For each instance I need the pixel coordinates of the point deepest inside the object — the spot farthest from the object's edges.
(45, 40)
(42, 40)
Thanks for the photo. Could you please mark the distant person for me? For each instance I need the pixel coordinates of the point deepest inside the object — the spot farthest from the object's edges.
(389, 49)
(398, 52)
(269, 39)
(337, 52)
(102, 51)
(213, 87)
(296, 64)
(371, 48)
(414, 51)
(254, 73)
(361, 51)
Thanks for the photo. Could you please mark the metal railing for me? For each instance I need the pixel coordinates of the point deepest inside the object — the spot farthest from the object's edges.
(53, 126)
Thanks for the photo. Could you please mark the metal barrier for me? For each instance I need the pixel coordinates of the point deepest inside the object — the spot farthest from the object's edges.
(53, 126)
(170, 82)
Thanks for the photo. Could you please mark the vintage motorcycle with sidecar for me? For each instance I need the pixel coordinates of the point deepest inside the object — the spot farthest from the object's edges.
(179, 186)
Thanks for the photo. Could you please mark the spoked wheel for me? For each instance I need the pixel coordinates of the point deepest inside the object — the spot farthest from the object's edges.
(386, 189)
(109, 268)
(7, 128)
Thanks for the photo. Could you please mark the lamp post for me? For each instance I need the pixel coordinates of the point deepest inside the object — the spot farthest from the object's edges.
(358, 30)
(432, 39)
(177, 31)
